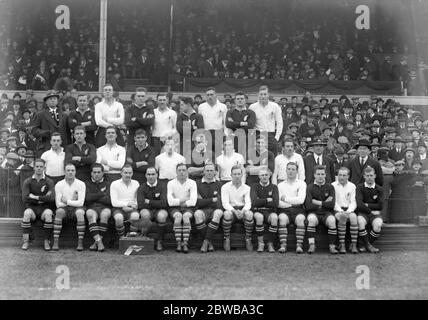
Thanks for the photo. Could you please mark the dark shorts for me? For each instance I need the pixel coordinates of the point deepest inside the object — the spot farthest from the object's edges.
(70, 212)
(38, 210)
(173, 210)
(323, 215)
(369, 217)
(292, 213)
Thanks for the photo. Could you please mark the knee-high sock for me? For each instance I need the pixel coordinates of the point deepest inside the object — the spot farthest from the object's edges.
(248, 225)
(341, 230)
(363, 235)
(161, 230)
(57, 227)
(260, 229)
(272, 232)
(227, 225)
(311, 231)
(354, 233)
(186, 231)
(373, 236)
(26, 227)
(211, 229)
(332, 234)
(283, 233)
(102, 229)
(178, 230)
(120, 229)
(300, 234)
(80, 229)
(93, 230)
(202, 228)
(48, 228)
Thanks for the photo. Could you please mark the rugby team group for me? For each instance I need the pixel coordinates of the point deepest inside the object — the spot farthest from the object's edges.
(84, 168)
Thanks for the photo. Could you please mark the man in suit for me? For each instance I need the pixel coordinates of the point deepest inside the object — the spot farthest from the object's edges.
(50, 119)
(318, 158)
(362, 161)
(397, 153)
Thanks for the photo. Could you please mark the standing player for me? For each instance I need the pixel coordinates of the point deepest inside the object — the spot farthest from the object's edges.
(123, 196)
(83, 116)
(182, 196)
(264, 198)
(164, 125)
(209, 206)
(152, 201)
(54, 158)
(111, 155)
(292, 193)
(236, 200)
(38, 196)
(97, 202)
(344, 208)
(319, 204)
(369, 205)
(69, 199)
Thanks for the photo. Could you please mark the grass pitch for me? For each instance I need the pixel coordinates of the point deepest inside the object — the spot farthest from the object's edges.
(220, 275)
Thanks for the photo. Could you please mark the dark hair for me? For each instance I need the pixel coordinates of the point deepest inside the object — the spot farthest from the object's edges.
(152, 168)
(292, 163)
(126, 165)
(162, 94)
(56, 134)
(76, 128)
(111, 127)
(139, 132)
(210, 89)
(187, 100)
(97, 165)
(139, 89)
(40, 160)
(319, 167)
(180, 165)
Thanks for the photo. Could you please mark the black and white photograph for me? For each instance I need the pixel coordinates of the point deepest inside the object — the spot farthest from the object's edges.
(213, 154)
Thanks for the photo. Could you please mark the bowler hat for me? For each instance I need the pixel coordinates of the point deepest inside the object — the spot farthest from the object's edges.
(363, 143)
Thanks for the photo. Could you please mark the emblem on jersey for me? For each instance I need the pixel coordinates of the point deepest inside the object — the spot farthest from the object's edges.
(375, 197)
(157, 195)
(89, 117)
(103, 189)
(270, 193)
(326, 194)
(246, 118)
(43, 188)
(144, 114)
(230, 119)
(86, 152)
(215, 193)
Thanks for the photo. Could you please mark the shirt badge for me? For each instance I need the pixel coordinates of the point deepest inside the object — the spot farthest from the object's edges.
(43, 188)
(89, 117)
(157, 195)
(326, 194)
(103, 189)
(86, 152)
(246, 118)
(215, 193)
(375, 197)
(270, 193)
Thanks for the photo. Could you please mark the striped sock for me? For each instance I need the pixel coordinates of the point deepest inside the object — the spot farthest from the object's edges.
(26, 227)
(248, 225)
(283, 233)
(93, 230)
(311, 232)
(300, 234)
(202, 228)
(161, 230)
(341, 230)
(354, 234)
(227, 225)
(133, 228)
(332, 234)
(211, 229)
(81, 229)
(48, 228)
(373, 236)
(178, 229)
(57, 227)
(363, 236)
(186, 231)
(260, 229)
(120, 230)
(272, 232)
(102, 228)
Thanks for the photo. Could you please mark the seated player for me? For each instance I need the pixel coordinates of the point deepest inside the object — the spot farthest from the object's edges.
(166, 162)
(69, 199)
(141, 155)
(369, 205)
(123, 197)
(264, 197)
(292, 193)
(97, 202)
(152, 201)
(236, 201)
(182, 195)
(39, 199)
(344, 209)
(209, 206)
(319, 204)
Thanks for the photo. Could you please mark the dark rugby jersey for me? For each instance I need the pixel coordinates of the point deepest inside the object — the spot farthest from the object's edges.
(44, 188)
(235, 117)
(88, 155)
(97, 193)
(147, 154)
(143, 120)
(321, 193)
(372, 196)
(259, 195)
(157, 196)
(206, 193)
(75, 118)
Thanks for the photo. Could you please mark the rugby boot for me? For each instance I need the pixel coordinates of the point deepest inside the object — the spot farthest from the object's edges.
(226, 244)
(185, 248)
(332, 249)
(271, 249)
(47, 245)
(93, 246)
(79, 245)
(178, 247)
(299, 249)
(261, 247)
(100, 245)
(311, 248)
(25, 241)
(372, 249)
(55, 246)
(283, 248)
(342, 249)
(210, 247)
(204, 247)
(159, 246)
(353, 248)
(248, 244)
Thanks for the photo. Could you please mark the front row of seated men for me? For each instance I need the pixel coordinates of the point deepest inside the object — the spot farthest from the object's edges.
(210, 203)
